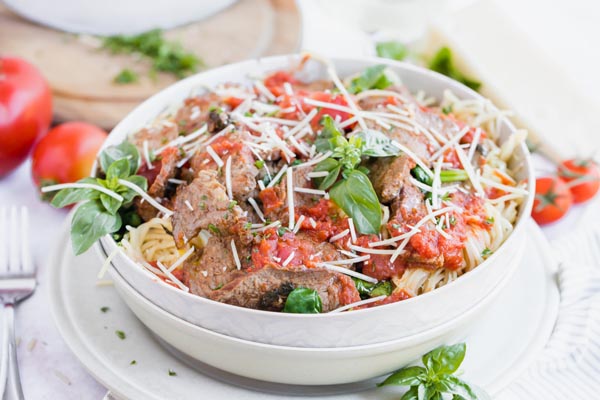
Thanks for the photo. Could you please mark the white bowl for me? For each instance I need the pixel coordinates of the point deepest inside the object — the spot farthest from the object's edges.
(295, 365)
(376, 325)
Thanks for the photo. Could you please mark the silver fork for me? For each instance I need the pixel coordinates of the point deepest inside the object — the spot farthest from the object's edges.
(17, 282)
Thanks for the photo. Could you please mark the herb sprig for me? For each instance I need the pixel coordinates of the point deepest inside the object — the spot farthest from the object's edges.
(443, 63)
(303, 301)
(354, 192)
(372, 78)
(99, 214)
(435, 378)
(167, 56)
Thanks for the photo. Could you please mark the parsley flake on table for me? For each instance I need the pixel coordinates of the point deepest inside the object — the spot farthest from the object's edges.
(172, 373)
(120, 334)
(126, 76)
(104, 309)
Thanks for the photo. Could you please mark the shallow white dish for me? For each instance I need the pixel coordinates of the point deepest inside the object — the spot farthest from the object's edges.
(115, 17)
(376, 325)
(499, 346)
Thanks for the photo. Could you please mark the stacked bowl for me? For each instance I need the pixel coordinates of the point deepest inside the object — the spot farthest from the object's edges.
(320, 349)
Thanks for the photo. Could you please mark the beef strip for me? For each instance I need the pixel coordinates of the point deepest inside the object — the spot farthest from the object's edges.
(214, 266)
(409, 208)
(267, 287)
(243, 170)
(156, 136)
(388, 175)
(166, 165)
(300, 180)
(210, 209)
(195, 111)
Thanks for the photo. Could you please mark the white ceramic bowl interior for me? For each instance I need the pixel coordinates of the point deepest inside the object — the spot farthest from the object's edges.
(376, 325)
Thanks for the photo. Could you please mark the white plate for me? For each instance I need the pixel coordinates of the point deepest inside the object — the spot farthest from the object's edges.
(499, 347)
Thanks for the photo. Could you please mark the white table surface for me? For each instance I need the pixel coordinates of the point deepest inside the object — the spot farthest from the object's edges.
(567, 32)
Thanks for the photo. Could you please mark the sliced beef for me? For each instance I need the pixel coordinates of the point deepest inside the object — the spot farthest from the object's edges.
(267, 287)
(164, 168)
(203, 204)
(388, 175)
(156, 136)
(195, 111)
(409, 209)
(243, 170)
(213, 266)
(218, 120)
(444, 125)
(274, 199)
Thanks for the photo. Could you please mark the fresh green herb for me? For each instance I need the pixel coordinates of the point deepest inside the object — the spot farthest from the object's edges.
(392, 49)
(377, 144)
(486, 253)
(368, 289)
(120, 335)
(303, 301)
(232, 204)
(167, 56)
(126, 76)
(281, 231)
(452, 220)
(447, 110)
(100, 214)
(295, 162)
(450, 175)
(372, 78)
(248, 225)
(489, 220)
(133, 362)
(353, 193)
(104, 309)
(435, 378)
(259, 164)
(214, 229)
(443, 63)
(172, 373)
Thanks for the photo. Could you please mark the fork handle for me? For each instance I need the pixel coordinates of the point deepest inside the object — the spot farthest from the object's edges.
(13, 384)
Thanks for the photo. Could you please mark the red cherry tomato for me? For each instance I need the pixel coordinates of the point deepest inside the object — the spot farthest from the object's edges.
(582, 178)
(67, 153)
(552, 200)
(25, 111)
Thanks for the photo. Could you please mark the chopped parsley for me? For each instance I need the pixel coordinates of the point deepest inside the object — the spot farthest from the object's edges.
(486, 253)
(172, 373)
(104, 309)
(120, 335)
(126, 76)
(133, 362)
(232, 204)
(259, 164)
(166, 56)
(214, 229)
(489, 220)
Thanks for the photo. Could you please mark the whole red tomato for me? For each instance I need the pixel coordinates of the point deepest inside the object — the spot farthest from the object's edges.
(582, 177)
(67, 153)
(25, 110)
(552, 200)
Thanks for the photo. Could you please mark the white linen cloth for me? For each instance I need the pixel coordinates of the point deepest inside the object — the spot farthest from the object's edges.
(569, 366)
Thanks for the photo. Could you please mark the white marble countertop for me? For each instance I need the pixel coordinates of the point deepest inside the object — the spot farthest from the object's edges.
(50, 371)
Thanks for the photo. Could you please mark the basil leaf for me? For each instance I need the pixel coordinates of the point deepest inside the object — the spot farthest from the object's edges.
(356, 196)
(409, 376)
(129, 194)
(422, 392)
(411, 394)
(329, 131)
(445, 359)
(382, 288)
(460, 388)
(71, 196)
(419, 174)
(333, 167)
(90, 222)
(443, 63)
(372, 78)
(377, 144)
(111, 204)
(124, 150)
(118, 169)
(392, 49)
(368, 289)
(303, 301)
(457, 397)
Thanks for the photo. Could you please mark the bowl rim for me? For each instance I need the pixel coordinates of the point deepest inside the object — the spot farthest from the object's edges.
(282, 60)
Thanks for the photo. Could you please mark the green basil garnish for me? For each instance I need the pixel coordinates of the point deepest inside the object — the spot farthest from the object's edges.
(303, 301)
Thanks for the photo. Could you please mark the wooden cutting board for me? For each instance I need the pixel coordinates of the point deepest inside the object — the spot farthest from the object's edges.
(81, 74)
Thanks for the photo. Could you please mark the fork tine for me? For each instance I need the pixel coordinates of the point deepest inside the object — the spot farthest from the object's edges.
(26, 264)
(3, 245)
(11, 233)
